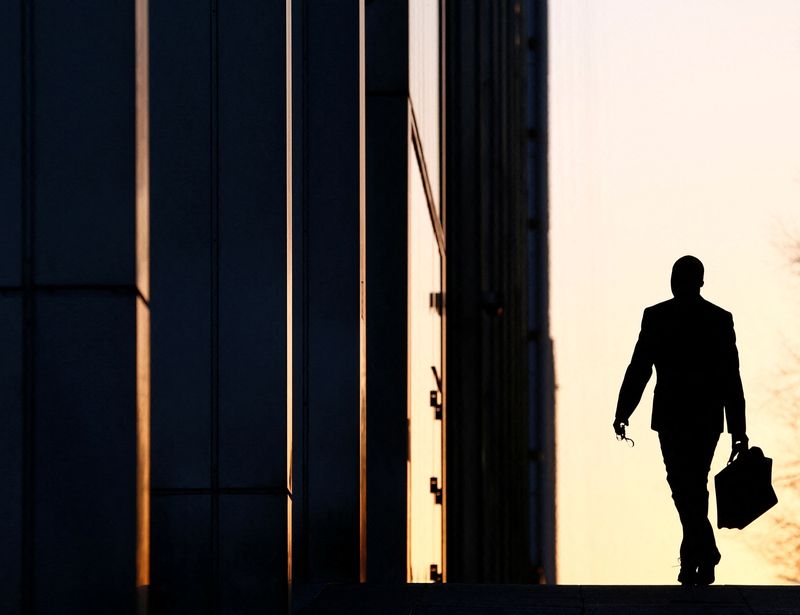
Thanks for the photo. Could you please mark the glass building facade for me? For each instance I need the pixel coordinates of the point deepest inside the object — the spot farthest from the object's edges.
(272, 301)
(426, 258)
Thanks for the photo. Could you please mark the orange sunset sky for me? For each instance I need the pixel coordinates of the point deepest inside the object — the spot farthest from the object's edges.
(674, 129)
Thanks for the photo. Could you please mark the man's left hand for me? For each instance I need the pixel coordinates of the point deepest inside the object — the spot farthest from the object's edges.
(739, 444)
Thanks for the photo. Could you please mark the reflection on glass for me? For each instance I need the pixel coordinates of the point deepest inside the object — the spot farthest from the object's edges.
(423, 80)
(424, 363)
(143, 286)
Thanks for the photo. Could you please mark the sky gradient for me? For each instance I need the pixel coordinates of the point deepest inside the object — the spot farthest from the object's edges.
(673, 130)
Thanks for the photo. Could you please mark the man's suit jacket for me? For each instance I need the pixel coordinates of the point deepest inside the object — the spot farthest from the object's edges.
(692, 344)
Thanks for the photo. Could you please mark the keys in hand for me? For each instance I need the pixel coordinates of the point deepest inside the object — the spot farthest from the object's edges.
(619, 429)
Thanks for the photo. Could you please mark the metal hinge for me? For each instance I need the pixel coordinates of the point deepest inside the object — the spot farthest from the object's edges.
(436, 405)
(436, 576)
(436, 489)
(436, 302)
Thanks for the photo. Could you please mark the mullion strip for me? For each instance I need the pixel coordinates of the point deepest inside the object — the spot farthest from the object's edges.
(214, 307)
(28, 306)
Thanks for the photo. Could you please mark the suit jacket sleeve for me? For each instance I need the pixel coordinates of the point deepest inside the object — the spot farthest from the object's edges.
(638, 372)
(733, 394)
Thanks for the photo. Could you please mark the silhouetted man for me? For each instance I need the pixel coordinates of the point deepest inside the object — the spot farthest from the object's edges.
(692, 344)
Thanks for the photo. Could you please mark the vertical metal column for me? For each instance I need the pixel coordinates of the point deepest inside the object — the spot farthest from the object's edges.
(221, 215)
(68, 296)
(330, 426)
(495, 504)
(387, 255)
(541, 379)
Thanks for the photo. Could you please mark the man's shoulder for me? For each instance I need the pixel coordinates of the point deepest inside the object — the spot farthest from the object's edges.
(659, 308)
(670, 306)
(716, 311)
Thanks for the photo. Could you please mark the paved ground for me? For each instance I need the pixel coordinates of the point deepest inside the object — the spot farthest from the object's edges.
(453, 599)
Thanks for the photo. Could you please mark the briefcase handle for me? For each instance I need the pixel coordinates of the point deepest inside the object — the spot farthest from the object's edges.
(751, 450)
(745, 442)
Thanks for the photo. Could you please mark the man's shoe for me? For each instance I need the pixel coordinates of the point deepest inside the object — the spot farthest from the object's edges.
(705, 575)
(688, 575)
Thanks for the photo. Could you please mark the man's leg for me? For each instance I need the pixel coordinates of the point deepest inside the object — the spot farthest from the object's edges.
(687, 458)
(707, 546)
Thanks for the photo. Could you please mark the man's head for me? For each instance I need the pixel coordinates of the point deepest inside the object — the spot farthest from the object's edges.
(687, 277)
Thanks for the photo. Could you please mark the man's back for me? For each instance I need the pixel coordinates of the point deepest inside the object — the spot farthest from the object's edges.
(691, 343)
(694, 353)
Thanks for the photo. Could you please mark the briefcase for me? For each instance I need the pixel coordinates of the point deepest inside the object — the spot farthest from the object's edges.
(744, 489)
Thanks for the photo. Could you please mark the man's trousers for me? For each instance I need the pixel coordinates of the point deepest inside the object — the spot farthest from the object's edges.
(687, 457)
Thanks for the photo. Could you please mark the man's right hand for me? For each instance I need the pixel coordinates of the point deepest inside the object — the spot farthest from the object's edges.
(619, 427)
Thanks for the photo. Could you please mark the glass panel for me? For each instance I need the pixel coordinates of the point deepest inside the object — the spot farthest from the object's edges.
(423, 81)
(424, 356)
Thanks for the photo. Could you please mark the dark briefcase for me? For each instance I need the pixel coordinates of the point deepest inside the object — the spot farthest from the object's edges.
(744, 489)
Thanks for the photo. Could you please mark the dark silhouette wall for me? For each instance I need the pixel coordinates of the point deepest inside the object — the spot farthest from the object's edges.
(68, 297)
(387, 262)
(219, 302)
(500, 429)
(330, 389)
(272, 335)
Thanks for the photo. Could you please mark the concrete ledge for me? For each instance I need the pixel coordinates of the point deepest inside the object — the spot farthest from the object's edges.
(453, 599)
